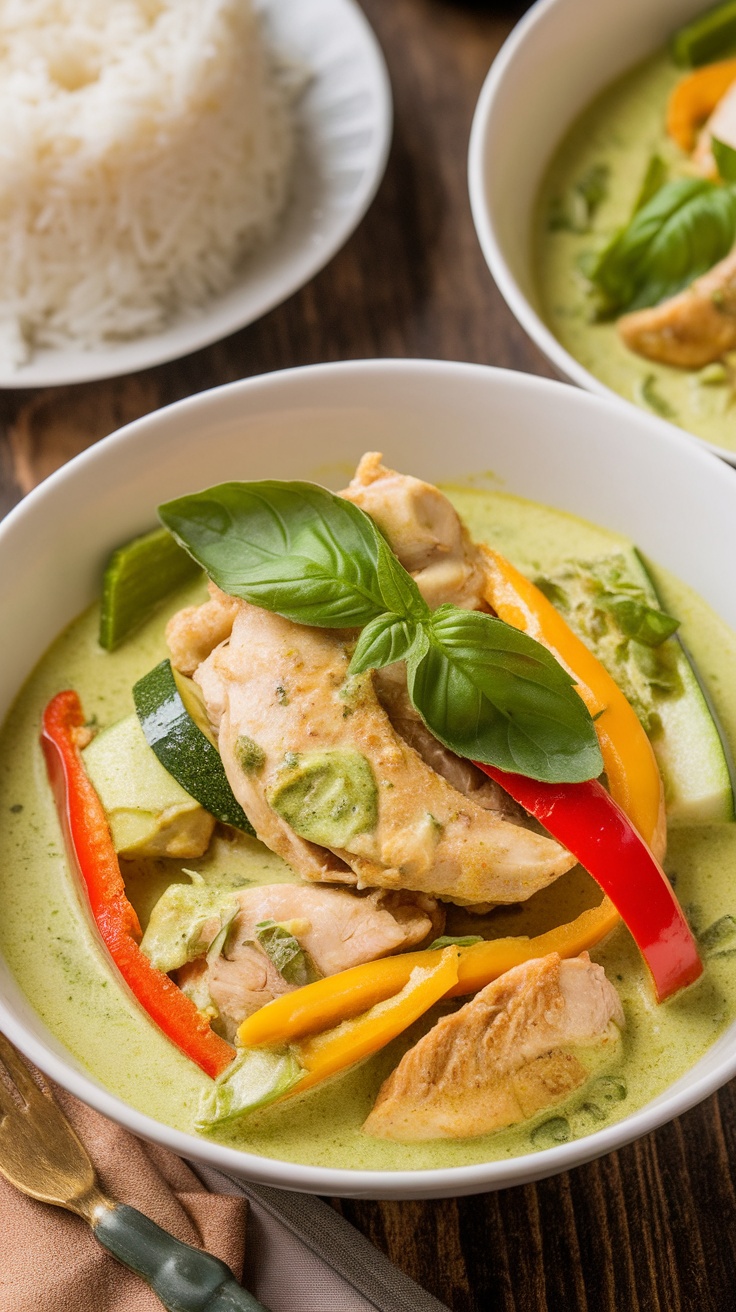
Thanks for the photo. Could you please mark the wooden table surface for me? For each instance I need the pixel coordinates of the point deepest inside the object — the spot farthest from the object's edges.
(650, 1227)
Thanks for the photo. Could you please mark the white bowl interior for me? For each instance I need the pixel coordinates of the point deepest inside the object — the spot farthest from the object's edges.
(546, 441)
(568, 51)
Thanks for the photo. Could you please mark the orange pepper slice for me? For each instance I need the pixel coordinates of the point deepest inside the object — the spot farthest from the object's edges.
(323, 1005)
(352, 1041)
(631, 766)
(695, 97)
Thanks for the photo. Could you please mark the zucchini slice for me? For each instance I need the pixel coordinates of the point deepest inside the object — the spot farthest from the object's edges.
(174, 723)
(691, 749)
(613, 605)
(137, 579)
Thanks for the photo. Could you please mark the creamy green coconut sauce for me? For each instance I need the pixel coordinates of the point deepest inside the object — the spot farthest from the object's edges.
(47, 939)
(621, 131)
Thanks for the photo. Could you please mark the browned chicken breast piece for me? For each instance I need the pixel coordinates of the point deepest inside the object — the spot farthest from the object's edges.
(392, 693)
(502, 1057)
(691, 329)
(195, 631)
(432, 543)
(336, 928)
(318, 768)
(424, 530)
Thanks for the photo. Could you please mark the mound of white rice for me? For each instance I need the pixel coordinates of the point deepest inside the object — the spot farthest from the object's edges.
(145, 146)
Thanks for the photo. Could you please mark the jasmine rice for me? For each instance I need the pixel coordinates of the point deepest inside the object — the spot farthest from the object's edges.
(145, 146)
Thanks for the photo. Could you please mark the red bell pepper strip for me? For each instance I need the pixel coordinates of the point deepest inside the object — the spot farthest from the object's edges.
(591, 825)
(91, 851)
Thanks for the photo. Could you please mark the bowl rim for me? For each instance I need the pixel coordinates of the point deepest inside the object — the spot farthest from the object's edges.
(454, 1181)
(491, 244)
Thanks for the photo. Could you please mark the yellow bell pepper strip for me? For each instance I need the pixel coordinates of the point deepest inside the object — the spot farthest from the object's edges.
(353, 1040)
(484, 962)
(321, 1006)
(590, 824)
(265, 1075)
(695, 97)
(631, 766)
(92, 854)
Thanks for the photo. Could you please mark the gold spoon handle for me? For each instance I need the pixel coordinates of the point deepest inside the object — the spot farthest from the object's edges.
(186, 1279)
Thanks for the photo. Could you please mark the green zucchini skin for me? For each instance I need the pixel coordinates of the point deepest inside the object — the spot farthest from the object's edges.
(692, 751)
(138, 578)
(185, 749)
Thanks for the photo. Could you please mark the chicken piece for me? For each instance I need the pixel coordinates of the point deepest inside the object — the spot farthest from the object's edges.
(393, 694)
(318, 768)
(424, 530)
(336, 928)
(502, 1057)
(195, 631)
(691, 329)
(722, 126)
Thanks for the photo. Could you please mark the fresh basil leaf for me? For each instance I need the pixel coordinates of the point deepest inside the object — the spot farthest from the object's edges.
(493, 694)
(285, 953)
(296, 549)
(639, 621)
(655, 177)
(383, 641)
(725, 158)
(455, 941)
(218, 944)
(686, 228)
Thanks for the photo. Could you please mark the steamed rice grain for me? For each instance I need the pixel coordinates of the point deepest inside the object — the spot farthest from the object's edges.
(145, 147)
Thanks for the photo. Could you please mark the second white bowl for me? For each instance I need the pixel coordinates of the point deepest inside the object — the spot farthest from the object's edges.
(556, 61)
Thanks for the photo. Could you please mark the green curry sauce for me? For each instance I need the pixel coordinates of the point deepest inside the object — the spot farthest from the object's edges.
(47, 939)
(616, 137)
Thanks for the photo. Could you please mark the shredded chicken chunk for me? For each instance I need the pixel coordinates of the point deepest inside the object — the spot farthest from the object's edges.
(329, 785)
(691, 329)
(337, 929)
(195, 631)
(502, 1057)
(424, 530)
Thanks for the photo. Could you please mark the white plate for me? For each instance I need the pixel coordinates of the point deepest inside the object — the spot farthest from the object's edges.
(596, 458)
(567, 51)
(344, 120)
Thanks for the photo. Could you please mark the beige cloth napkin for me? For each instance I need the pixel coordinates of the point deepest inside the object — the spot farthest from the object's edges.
(299, 1255)
(49, 1259)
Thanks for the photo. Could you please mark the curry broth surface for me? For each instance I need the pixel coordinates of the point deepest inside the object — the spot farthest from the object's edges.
(622, 129)
(46, 936)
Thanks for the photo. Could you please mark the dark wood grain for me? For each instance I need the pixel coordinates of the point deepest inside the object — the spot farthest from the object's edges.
(651, 1227)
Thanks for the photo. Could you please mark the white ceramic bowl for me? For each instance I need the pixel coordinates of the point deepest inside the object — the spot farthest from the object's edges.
(343, 119)
(597, 458)
(560, 56)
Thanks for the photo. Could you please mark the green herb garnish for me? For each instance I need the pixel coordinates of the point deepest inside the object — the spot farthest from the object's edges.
(484, 689)
(649, 393)
(456, 941)
(680, 233)
(575, 209)
(655, 176)
(707, 37)
(725, 158)
(286, 953)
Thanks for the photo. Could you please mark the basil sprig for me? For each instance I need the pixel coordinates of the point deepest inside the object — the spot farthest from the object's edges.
(484, 689)
(684, 229)
(725, 158)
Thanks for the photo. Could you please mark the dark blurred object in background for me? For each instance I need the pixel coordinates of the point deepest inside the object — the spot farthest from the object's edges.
(512, 9)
